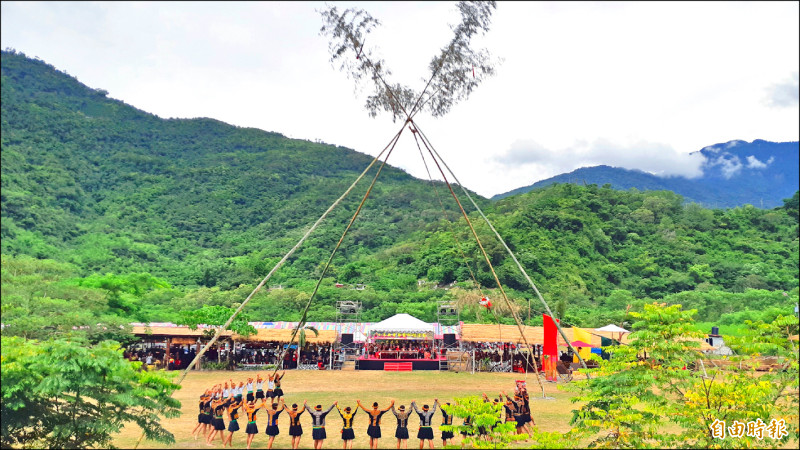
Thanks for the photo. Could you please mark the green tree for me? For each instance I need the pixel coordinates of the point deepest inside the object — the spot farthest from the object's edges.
(301, 334)
(657, 392)
(483, 416)
(62, 394)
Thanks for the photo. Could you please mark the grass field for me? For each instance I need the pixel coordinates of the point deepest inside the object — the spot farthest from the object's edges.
(325, 387)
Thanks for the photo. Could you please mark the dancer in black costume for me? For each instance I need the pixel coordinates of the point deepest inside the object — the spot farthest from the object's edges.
(374, 430)
(295, 429)
(347, 426)
(447, 419)
(202, 419)
(425, 432)
(252, 429)
(402, 425)
(233, 416)
(217, 422)
(272, 421)
(318, 424)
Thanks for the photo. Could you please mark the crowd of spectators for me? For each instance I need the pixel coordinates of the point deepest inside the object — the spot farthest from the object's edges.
(269, 352)
(179, 358)
(396, 349)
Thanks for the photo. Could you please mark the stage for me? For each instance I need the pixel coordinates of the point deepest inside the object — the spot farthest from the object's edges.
(398, 364)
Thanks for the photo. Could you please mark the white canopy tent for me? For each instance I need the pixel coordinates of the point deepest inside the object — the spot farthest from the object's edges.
(401, 326)
(611, 328)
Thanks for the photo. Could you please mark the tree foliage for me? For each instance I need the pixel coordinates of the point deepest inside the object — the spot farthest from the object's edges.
(656, 392)
(452, 76)
(63, 394)
(483, 417)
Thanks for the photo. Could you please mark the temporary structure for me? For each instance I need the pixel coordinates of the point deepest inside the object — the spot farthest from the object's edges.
(581, 344)
(613, 329)
(401, 326)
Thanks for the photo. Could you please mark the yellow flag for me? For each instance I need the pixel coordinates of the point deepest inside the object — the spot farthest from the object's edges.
(579, 334)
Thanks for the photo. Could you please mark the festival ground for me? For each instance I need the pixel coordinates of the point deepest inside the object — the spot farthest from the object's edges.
(325, 387)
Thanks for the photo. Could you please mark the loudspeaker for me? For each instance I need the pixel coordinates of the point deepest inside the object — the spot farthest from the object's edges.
(449, 339)
(347, 338)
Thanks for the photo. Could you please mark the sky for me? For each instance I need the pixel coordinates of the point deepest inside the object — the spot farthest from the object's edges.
(638, 85)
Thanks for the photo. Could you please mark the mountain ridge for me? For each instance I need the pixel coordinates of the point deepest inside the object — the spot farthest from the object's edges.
(735, 173)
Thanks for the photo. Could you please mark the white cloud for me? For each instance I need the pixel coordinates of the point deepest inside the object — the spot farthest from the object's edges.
(754, 163)
(729, 164)
(656, 158)
(784, 94)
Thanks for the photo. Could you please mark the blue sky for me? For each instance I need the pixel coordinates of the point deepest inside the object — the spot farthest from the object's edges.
(629, 84)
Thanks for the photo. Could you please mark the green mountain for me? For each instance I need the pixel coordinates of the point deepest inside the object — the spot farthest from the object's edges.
(735, 173)
(111, 214)
(97, 183)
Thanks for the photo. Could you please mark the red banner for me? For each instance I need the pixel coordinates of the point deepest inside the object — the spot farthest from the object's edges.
(550, 346)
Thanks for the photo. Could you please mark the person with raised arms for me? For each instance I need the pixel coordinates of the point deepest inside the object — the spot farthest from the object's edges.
(425, 432)
(203, 420)
(402, 425)
(374, 429)
(233, 416)
(259, 387)
(251, 397)
(218, 423)
(295, 428)
(318, 423)
(347, 426)
(447, 419)
(272, 421)
(278, 393)
(252, 429)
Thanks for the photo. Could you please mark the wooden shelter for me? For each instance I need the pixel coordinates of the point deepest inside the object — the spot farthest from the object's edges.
(173, 335)
(471, 332)
(283, 335)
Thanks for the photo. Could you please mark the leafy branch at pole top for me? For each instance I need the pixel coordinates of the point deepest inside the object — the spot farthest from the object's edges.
(454, 73)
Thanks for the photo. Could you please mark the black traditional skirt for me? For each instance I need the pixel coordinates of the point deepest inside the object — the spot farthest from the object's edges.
(348, 434)
(278, 392)
(252, 428)
(425, 433)
(318, 433)
(447, 435)
(374, 431)
(207, 419)
(295, 430)
(201, 418)
(401, 433)
(259, 394)
(233, 425)
(520, 419)
(525, 418)
(219, 424)
(272, 430)
(250, 397)
(270, 393)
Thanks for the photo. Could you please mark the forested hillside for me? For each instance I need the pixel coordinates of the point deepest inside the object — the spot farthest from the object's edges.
(97, 183)
(111, 214)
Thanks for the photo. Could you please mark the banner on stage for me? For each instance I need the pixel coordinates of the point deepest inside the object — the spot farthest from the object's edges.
(388, 335)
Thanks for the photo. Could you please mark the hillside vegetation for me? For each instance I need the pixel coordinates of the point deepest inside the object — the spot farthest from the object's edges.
(111, 214)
